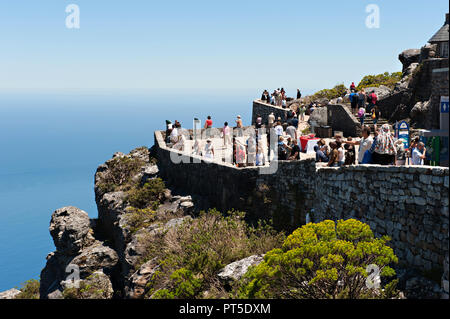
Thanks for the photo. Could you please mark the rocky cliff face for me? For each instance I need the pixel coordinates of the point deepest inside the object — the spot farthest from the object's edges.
(411, 98)
(106, 252)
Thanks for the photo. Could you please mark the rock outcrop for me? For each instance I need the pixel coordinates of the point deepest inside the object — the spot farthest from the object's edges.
(113, 221)
(412, 97)
(78, 254)
(237, 269)
(9, 294)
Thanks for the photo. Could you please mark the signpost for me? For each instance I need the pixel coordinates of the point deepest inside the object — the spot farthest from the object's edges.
(444, 110)
(403, 133)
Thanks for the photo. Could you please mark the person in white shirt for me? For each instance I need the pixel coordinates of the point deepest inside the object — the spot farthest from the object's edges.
(279, 129)
(292, 132)
(174, 135)
(260, 160)
(341, 154)
(417, 156)
(271, 119)
(364, 144)
(209, 150)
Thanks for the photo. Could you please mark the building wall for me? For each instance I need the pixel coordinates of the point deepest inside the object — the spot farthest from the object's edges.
(265, 109)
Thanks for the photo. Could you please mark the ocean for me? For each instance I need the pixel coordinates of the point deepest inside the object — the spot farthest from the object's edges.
(52, 142)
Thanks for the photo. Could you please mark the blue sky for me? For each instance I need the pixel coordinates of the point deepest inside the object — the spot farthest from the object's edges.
(206, 44)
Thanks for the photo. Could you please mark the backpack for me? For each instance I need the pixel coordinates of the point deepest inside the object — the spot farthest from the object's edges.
(360, 113)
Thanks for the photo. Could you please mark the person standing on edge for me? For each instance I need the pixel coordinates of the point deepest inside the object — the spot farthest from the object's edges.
(299, 95)
(302, 113)
(417, 157)
(208, 122)
(383, 149)
(333, 159)
(258, 122)
(239, 126)
(271, 120)
(364, 144)
(352, 87)
(226, 134)
(400, 158)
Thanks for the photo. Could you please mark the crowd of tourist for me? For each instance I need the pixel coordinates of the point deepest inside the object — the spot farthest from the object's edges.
(383, 149)
(278, 97)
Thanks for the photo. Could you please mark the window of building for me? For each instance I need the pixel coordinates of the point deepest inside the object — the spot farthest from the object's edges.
(444, 49)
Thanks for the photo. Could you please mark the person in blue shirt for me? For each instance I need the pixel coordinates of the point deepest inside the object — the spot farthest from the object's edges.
(354, 101)
(320, 156)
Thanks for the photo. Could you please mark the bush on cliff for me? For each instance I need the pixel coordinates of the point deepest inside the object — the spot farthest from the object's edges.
(191, 255)
(120, 172)
(386, 79)
(337, 91)
(138, 218)
(323, 260)
(149, 195)
(29, 290)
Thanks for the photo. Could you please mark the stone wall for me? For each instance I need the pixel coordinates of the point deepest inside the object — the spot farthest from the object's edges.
(409, 204)
(265, 109)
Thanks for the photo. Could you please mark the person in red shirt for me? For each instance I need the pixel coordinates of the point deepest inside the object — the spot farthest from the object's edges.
(208, 122)
(373, 98)
(352, 86)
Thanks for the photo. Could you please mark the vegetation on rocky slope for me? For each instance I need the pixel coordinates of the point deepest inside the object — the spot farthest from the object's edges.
(29, 290)
(189, 256)
(386, 79)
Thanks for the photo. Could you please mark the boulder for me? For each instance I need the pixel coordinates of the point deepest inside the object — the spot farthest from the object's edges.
(409, 56)
(98, 286)
(139, 280)
(94, 258)
(237, 269)
(420, 112)
(70, 230)
(381, 91)
(9, 294)
(319, 116)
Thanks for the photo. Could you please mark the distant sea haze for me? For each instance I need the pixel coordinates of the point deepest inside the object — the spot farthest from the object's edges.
(52, 142)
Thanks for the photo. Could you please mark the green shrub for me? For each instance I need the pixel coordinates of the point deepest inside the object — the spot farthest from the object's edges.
(148, 195)
(90, 288)
(137, 218)
(191, 255)
(337, 91)
(385, 79)
(29, 290)
(120, 173)
(323, 260)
